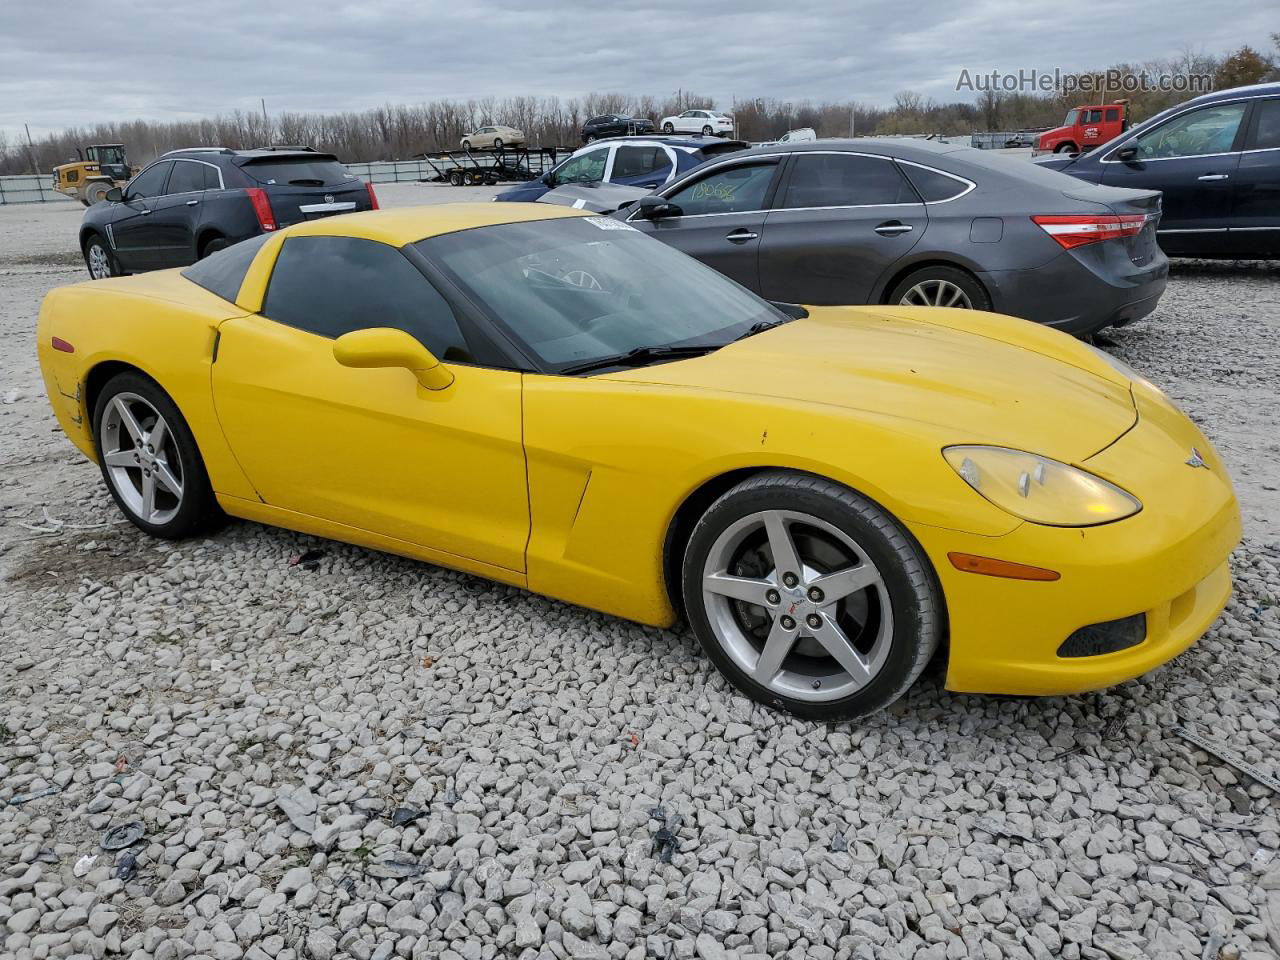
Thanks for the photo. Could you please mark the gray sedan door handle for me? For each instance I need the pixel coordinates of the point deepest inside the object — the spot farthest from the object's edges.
(741, 236)
(192, 203)
(1215, 176)
(893, 228)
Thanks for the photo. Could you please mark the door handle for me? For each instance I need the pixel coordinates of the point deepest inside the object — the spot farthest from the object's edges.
(192, 203)
(892, 228)
(741, 236)
(145, 212)
(1214, 176)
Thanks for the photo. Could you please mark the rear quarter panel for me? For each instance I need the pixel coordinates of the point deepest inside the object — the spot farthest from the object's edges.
(161, 324)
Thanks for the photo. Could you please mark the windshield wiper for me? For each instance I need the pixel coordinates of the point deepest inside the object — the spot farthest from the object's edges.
(759, 327)
(640, 356)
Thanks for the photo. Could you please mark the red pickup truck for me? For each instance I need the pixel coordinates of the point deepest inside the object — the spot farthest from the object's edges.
(1085, 128)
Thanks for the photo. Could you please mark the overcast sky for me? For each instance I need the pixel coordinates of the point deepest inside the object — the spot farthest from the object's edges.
(182, 59)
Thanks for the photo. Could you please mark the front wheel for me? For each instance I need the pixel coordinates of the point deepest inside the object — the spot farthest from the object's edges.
(1065, 148)
(466, 145)
(96, 192)
(941, 286)
(99, 259)
(668, 128)
(150, 461)
(811, 598)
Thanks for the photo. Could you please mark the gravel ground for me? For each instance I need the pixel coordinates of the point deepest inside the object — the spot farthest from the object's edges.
(331, 752)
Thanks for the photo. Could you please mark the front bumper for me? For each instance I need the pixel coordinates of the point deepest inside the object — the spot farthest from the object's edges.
(1168, 562)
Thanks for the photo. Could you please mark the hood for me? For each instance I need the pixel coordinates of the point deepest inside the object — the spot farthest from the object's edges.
(981, 378)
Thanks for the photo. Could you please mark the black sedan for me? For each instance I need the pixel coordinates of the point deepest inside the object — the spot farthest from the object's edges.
(916, 222)
(1216, 159)
(190, 203)
(612, 125)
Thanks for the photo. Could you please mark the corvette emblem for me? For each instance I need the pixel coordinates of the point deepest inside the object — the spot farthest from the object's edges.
(1195, 460)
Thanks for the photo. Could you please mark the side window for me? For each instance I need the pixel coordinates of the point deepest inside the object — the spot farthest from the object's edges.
(1203, 131)
(333, 285)
(1090, 116)
(1112, 115)
(186, 177)
(212, 179)
(844, 180)
(933, 185)
(223, 272)
(587, 168)
(731, 190)
(150, 182)
(1266, 132)
(639, 161)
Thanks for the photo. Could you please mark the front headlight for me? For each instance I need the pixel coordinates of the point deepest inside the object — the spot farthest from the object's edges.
(1038, 489)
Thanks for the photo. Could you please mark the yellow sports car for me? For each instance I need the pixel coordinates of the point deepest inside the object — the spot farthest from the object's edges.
(553, 400)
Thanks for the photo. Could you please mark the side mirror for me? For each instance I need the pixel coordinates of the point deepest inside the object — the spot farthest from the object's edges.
(387, 347)
(115, 195)
(657, 208)
(1126, 154)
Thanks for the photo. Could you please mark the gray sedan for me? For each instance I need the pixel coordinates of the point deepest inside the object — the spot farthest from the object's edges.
(914, 222)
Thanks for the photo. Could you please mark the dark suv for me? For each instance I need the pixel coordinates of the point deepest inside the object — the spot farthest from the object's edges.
(189, 203)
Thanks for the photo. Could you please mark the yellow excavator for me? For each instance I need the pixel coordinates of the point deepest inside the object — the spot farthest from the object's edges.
(95, 171)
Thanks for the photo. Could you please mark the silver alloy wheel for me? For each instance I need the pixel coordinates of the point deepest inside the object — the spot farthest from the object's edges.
(813, 620)
(141, 457)
(936, 293)
(99, 264)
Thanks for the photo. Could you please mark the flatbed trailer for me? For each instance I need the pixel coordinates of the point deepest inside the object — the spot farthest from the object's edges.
(488, 167)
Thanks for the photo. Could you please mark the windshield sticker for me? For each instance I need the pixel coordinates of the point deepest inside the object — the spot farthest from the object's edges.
(604, 223)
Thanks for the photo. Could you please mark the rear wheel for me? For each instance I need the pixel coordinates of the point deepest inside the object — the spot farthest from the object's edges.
(707, 131)
(213, 245)
(810, 597)
(150, 461)
(497, 143)
(99, 258)
(941, 286)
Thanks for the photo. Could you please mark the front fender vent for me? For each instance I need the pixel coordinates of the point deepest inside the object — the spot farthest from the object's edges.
(1107, 637)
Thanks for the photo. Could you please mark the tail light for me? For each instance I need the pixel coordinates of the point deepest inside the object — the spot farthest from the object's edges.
(1076, 231)
(373, 197)
(262, 207)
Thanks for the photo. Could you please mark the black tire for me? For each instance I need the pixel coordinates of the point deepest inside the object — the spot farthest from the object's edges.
(1065, 148)
(455, 178)
(915, 597)
(197, 509)
(668, 128)
(978, 298)
(707, 131)
(466, 145)
(96, 250)
(590, 138)
(96, 192)
(497, 143)
(213, 245)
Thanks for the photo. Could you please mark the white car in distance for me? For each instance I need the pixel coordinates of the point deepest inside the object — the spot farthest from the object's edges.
(706, 122)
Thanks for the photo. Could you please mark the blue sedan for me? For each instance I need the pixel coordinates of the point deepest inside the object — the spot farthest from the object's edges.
(1216, 159)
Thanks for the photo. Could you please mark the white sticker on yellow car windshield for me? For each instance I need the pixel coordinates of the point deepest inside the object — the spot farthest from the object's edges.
(604, 223)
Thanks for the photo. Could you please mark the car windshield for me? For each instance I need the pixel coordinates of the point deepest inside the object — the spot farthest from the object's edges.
(584, 289)
(1071, 118)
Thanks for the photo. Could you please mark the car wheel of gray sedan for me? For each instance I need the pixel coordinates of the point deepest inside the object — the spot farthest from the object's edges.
(941, 287)
(668, 128)
(149, 459)
(811, 598)
(99, 259)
